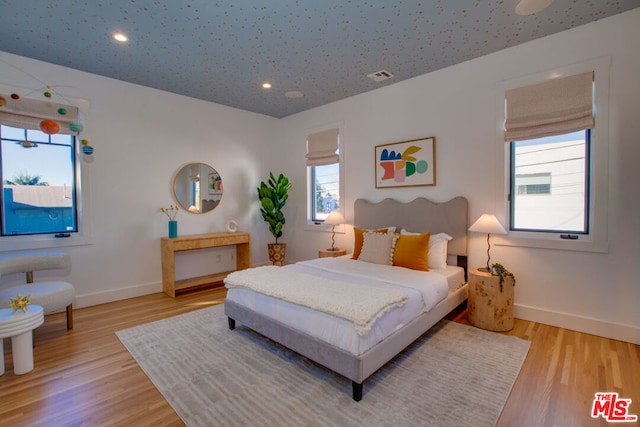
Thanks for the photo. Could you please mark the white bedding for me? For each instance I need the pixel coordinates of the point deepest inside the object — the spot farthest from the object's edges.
(339, 332)
(360, 304)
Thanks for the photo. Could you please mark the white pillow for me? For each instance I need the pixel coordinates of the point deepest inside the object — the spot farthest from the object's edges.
(378, 248)
(438, 244)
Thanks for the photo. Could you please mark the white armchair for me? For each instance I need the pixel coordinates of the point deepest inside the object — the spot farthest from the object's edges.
(53, 296)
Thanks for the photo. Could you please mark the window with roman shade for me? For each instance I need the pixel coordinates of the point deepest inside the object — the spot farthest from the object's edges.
(41, 191)
(554, 107)
(548, 134)
(323, 165)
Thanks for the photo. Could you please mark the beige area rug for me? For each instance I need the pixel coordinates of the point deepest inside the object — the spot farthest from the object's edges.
(455, 375)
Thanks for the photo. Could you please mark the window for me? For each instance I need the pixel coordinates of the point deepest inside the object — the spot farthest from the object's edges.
(323, 161)
(325, 182)
(38, 176)
(42, 197)
(555, 151)
(549, 184)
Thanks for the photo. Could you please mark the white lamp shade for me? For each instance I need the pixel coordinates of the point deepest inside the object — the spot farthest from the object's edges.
(489, 224)
(334, 218)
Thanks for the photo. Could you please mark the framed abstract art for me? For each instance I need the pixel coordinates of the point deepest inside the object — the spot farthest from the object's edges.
(406, 163)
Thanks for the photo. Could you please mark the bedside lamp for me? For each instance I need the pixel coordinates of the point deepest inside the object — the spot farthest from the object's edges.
(334, 218)
(489, 224)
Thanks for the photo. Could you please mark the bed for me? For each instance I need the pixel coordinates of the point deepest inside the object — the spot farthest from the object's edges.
(330, 340)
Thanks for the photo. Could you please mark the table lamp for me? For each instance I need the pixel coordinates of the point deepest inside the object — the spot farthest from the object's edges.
(334, 218)
(489, 224)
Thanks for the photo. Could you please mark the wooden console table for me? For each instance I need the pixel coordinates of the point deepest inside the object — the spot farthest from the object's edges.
(171, 286)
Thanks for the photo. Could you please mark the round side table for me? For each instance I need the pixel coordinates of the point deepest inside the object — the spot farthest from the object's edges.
(490, 306)
(18, 326)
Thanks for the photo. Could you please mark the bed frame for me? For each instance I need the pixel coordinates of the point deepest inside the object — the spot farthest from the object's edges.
(420, 215)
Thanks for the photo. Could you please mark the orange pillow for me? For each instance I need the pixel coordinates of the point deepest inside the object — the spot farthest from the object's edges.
(358, 239)
(412, 251)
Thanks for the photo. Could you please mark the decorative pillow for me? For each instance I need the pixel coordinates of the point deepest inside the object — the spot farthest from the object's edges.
(438, 244)
(378, 247)
(357, 238)
(412, 251)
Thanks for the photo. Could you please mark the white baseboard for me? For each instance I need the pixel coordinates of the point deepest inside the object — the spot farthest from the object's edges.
(587, 325)
(88, 300)
(616, 331)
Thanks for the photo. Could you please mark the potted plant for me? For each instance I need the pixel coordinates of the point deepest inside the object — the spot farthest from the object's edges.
(273, 196)
(499, 270)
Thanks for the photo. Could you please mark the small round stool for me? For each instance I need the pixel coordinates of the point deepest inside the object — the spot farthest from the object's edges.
(18, 326)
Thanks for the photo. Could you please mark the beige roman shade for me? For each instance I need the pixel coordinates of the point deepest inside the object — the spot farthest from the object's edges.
(553, 107)
(322, 148)
(27, 113)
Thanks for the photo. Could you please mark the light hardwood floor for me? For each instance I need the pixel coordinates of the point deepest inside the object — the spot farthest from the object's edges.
(85, 377)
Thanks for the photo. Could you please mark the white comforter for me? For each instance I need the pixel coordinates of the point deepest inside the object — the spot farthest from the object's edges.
(432, 286)
(357, 303)
(425, 290)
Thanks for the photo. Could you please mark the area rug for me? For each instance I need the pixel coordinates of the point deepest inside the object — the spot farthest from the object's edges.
(454, 375)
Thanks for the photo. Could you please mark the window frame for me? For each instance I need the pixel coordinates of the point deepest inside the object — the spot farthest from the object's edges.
(596, 240)
(71, 147)
(513, 190)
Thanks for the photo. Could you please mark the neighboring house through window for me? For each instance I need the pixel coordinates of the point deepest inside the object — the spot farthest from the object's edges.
(549, 184)
(38, 176)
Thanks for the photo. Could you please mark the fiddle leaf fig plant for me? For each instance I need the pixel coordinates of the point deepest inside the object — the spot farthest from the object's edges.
(273, 196)
(499, 270)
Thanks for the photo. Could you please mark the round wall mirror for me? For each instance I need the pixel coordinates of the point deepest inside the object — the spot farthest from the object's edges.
(197, 188)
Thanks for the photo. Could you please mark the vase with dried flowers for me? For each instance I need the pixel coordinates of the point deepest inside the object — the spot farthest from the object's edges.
(171, 212)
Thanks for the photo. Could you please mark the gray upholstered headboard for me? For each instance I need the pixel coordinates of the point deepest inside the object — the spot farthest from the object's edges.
(419, 215)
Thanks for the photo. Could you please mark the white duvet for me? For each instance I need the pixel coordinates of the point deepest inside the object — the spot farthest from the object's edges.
(423, 289)
(360, 304)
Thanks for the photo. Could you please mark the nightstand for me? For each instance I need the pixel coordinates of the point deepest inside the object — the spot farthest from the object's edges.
(325, 253)
(489, 307)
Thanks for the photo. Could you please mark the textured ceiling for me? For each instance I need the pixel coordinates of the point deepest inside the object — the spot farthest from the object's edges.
(222, 51)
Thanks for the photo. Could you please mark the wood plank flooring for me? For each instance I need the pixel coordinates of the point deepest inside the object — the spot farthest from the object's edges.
(85, 377)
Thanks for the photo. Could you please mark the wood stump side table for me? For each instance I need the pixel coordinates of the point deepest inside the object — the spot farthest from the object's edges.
(489, 307)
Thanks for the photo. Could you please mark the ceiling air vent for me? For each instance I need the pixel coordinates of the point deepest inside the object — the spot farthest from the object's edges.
(379, 76)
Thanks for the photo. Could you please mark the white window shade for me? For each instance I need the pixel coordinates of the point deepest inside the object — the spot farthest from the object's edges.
(553, 107)
(27, 113)
(322, 148)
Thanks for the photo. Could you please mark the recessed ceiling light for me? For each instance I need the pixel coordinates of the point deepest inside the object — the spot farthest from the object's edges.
(529, 7)
(294, 94)
(266, 85)
(120, 37)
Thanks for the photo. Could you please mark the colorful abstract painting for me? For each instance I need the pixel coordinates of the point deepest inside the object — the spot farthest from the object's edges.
(215, 184)
(406, 163)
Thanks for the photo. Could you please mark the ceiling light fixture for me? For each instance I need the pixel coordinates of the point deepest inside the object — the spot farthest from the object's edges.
(120, 37)
(293, 94)
(266, 85)
(529, 7)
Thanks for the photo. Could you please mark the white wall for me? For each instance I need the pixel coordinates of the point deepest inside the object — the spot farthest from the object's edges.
(138, 151)
(593, 292)
(141, 138)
